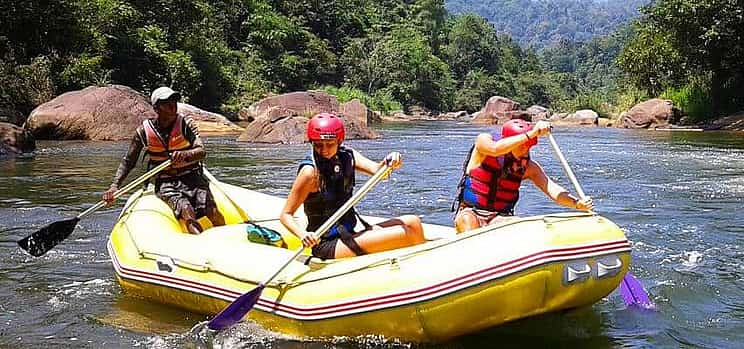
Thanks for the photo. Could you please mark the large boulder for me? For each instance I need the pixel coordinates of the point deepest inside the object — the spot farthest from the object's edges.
(355, 109)
(283, 118)
(97, 113)
(538, 113)
(208, 122)
(278, 127)
(301, 103)
(15, 141)
(108, 113)
(650, 114)
(498, 110)
(584, 117)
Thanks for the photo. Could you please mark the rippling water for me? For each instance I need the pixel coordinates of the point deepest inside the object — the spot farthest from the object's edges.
(677, 195)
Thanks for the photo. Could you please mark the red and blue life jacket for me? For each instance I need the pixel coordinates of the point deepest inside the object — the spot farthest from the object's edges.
(494, 184)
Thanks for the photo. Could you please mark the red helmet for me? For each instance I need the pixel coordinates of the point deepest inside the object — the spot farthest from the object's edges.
(325, 126)
(517, 127)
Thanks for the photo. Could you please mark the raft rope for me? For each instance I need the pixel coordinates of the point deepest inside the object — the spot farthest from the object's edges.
(436, 244)
(283, 284)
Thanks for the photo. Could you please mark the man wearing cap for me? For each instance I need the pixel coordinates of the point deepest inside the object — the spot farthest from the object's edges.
(493, 173)
(176, 137)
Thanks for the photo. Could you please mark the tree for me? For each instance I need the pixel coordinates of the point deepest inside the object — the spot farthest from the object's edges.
(401, 63)
(472, 44)
(684, 42)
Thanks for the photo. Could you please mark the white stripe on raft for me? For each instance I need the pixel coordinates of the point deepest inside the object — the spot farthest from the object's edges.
(381, 301)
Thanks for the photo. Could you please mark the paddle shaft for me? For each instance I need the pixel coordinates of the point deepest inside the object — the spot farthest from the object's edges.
(126, 188)
(219, 187)
(337, 215)
(566, 168)
(631, 289)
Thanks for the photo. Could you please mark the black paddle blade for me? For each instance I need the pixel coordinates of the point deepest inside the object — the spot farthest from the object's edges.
(236, 310)
(40, 242)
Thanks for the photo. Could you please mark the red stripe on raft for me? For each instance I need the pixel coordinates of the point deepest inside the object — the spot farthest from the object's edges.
(412, 296)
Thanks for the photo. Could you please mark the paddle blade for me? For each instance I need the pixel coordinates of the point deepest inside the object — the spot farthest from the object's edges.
(236, 310)
(46, 238)
(633, 293)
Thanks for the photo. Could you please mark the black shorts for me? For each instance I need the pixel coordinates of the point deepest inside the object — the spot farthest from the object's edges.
(190, 189)
(326, 248)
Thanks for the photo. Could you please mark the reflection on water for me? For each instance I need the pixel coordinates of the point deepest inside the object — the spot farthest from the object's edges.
(677, 195)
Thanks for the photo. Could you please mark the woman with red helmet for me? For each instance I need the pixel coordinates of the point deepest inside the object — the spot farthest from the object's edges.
(325, 181)
(493, 173)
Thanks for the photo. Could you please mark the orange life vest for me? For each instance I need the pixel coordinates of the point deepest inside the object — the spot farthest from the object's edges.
(157, 149)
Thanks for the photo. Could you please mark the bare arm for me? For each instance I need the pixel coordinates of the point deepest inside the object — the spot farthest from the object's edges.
(552, 189)
(486, 146)
(197, 153)
(304, 184)
(125, 166)
(365, 165)
(128, 161)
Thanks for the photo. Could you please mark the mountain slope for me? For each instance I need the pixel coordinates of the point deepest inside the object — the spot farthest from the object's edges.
(541, 23)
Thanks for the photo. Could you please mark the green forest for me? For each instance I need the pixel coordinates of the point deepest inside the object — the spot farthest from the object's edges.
(542, 23)
(392, 54)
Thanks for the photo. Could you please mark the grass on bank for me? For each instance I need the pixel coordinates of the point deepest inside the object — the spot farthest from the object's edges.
(694, 99)
(380, 101)
(607, 104)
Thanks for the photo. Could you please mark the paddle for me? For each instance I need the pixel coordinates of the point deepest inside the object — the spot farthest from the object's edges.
(49, 236)
(236, 310)
(243, 216)
(631, 289)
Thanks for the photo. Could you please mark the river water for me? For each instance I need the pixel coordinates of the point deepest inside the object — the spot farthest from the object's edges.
(677, 195)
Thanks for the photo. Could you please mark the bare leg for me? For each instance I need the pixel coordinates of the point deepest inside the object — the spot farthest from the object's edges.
(188, 215)
(388, 235)
(215, 217)
(466, 220)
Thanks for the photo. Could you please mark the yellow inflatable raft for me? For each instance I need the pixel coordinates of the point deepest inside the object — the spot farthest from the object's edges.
(450, 286)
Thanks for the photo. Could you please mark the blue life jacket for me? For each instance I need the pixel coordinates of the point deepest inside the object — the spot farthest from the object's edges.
(337, 181)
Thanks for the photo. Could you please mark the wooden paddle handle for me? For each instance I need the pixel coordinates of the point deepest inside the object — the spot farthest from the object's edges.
(243, 216)
(566, 168)
(382, 172)
(127, 188)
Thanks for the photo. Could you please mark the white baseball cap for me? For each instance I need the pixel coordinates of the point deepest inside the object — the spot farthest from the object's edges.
(162, 94)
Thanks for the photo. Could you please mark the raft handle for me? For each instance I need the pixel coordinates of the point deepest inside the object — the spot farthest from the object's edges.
(576, 272)
(608, 266)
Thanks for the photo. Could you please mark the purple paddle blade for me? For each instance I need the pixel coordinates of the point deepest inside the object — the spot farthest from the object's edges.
(236, 310)
(633, 293)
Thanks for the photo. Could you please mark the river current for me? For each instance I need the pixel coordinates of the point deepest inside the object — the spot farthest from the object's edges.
(677, 195)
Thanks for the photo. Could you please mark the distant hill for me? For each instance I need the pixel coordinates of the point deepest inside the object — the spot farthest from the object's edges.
(541, 23)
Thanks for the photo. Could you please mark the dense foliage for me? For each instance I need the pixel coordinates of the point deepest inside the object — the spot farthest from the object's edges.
(691, 52)
(225, 54)
(542, 23)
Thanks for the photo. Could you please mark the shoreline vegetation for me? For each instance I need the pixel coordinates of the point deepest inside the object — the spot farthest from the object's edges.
(407, 56)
